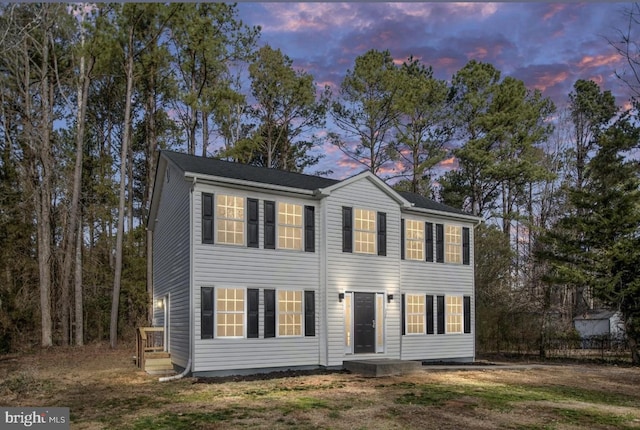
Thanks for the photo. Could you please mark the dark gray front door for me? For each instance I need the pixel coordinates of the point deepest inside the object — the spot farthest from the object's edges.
(364, 315)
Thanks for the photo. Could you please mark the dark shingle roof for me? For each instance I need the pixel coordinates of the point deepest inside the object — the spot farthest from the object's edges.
(228, 169)
(425, 203)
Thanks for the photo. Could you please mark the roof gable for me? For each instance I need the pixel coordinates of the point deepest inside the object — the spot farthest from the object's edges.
(214, 168)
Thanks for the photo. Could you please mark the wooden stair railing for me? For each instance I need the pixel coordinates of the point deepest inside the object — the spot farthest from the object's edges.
(149, 340)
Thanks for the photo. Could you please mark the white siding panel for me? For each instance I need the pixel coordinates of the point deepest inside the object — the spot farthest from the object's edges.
(439, 279)
(220, 265)
(171, 262)
(360, 272)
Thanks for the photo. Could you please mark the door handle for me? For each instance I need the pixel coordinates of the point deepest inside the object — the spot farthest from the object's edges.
(373, 323)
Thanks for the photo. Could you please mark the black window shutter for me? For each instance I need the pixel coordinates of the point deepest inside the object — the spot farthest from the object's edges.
(439, 243)
(309, 313)
(253, 297)
(253, 226)
(347, 229)
(465, 246)
(467, 314)
(402, 240)
(382, 233)
(206, 313)
(429, 308)
(309, 229)
(269, 224)
(428, 241)
(440, 314)
(269, 313)
(404, 317)
(207, 218)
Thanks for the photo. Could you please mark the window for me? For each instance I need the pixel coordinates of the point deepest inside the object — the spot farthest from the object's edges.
(365, 231)
(348, 336)
(230, 217)
(454, 314)
(289, 313)
(415, 313)
(414, 239)
(453, 244)
(289, 226)
(230, 312)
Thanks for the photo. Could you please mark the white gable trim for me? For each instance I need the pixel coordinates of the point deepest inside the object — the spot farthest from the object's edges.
(367, 175)
(472, 218)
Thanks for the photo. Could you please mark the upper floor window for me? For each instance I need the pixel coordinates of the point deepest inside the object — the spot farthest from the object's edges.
(453, 244)
(365, 231)
(289, 226)
(414, 239)
(230, 219)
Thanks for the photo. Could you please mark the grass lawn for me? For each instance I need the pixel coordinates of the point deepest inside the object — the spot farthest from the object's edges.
(104, 390)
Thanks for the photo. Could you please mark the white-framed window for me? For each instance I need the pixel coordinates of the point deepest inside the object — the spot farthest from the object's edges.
(230, 312)
(289, 226)
(289, 313)
(365, 231)
(453, 308)
(415, 313)
(452, 244)
(230, 219)
(414, 239)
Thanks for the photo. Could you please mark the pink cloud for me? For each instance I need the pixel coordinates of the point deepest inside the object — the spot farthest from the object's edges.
(478, 53)
(554, 9)
(548, 80)
(450, 163)
(589, 61)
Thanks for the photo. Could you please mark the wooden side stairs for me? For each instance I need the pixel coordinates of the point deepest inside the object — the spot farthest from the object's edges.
(150, 353)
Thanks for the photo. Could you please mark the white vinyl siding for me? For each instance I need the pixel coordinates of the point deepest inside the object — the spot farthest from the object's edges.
(171, 263)
(439, 280)
(256, 268)
(360, 272)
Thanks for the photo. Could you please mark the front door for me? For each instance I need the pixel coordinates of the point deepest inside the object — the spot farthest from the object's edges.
(364, 322)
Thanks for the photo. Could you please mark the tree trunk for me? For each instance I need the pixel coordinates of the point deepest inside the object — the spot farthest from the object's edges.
(115, 303)
(44, 191)
(79, 333)
(70, 242)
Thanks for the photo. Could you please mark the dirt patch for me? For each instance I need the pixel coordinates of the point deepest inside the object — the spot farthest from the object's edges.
(104, 390)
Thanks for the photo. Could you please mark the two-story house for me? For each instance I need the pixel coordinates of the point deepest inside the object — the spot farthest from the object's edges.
(259, 269)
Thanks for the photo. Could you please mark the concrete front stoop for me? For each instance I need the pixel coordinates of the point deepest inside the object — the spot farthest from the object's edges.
(382, 367)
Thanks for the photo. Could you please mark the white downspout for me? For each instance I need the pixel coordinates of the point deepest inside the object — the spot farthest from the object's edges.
(187, 369)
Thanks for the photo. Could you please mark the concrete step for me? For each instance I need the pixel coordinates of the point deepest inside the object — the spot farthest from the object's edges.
(382, 367)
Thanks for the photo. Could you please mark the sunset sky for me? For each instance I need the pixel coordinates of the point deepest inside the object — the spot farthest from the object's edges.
(547, 45)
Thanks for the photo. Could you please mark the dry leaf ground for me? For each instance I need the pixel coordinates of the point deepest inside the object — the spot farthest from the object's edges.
(104, 390)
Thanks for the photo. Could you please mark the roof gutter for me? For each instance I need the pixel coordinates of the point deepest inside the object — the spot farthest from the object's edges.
(249, 184)
(473, 218)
